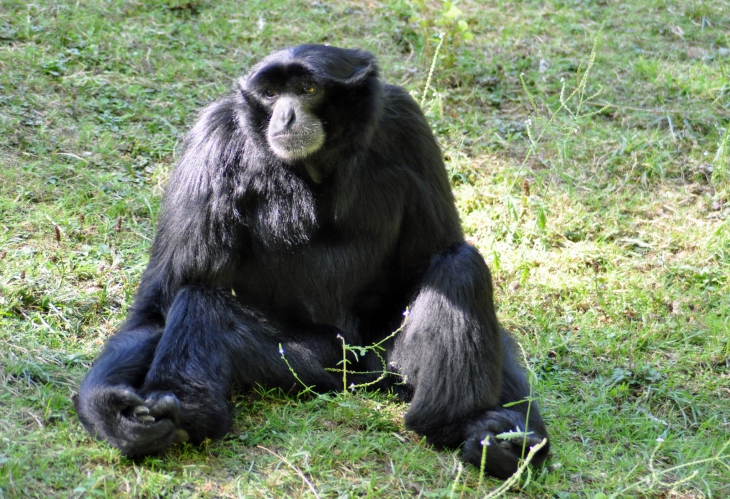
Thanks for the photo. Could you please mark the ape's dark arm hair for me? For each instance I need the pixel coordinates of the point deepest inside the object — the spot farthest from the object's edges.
(198, 234)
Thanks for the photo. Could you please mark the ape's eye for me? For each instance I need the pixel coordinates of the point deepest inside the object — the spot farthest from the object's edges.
(309, 89)
(270, 94)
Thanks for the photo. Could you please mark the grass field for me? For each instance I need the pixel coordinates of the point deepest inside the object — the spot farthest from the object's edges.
(588, 146)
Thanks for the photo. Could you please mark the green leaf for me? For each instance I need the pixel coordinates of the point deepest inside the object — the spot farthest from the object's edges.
(513, 435)
(453, 12)
(541, 218)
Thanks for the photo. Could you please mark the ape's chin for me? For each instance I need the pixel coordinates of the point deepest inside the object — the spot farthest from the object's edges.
(295, 145)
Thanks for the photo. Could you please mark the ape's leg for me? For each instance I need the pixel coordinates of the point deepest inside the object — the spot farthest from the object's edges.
(209, 342)
(459, 367)
(503, 456)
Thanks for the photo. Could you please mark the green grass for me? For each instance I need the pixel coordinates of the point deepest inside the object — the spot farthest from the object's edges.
(605, 222)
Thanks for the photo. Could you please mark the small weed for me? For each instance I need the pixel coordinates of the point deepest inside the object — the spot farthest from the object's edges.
(445, 26)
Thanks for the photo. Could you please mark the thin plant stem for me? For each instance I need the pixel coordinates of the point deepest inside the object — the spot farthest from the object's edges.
(431, 69)
(296, 470)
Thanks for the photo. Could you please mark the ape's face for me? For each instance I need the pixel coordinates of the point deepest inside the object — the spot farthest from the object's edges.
(291, 97)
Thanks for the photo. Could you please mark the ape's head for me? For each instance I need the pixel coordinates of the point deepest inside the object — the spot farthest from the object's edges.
(312, 97)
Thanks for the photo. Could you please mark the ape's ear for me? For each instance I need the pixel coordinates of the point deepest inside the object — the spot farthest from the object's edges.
(360, 73)
(245, 87)
(241, 85)
(346, 67)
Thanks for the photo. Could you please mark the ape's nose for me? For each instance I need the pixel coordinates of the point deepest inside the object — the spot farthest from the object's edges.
(284, 115)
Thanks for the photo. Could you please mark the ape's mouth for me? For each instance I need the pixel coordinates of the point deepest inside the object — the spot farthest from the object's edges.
(291, 145)
(294, 131)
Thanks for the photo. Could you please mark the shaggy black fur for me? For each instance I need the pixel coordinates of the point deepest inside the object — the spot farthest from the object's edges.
(253, 251)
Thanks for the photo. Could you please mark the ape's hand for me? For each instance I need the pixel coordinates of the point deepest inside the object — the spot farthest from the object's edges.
(135, 426)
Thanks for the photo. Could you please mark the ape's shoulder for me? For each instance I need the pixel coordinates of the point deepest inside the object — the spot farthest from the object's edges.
(407, 137)
(399, 100)
(218, 117)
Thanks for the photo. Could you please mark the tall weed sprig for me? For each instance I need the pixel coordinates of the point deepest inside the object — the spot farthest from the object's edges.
(575, 113)
(358, 351)
(431, 70)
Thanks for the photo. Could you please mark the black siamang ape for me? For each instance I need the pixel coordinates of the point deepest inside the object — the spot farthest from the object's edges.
(310, 204)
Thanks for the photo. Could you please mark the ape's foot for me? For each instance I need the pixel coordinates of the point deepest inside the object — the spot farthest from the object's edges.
(136, 426)
(503, 454)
